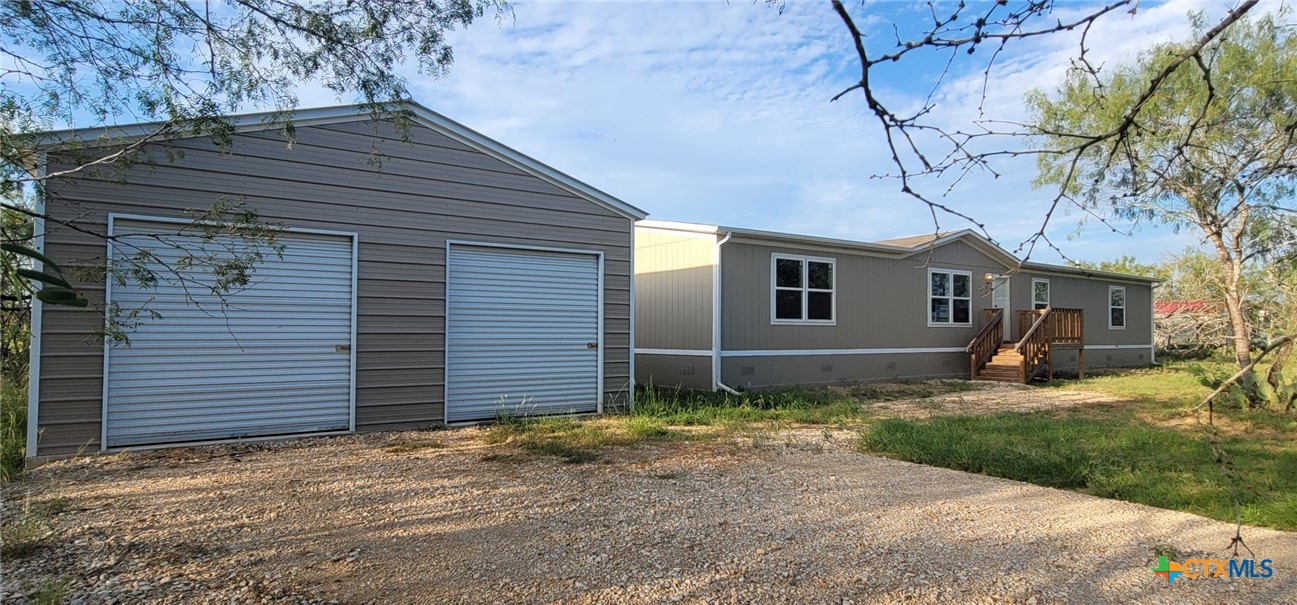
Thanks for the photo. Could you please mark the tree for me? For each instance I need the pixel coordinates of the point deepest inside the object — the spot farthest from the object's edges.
(922, 146)
(1212, 149)
(184, 65)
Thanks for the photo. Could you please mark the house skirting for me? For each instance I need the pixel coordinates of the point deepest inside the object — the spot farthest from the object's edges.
(674, 368)
(814, 367)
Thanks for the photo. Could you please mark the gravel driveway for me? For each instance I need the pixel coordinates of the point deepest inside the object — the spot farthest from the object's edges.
(793, 517)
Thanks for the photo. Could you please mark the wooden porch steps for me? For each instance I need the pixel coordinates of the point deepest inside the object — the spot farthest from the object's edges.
(1004, 366)
(991, 357)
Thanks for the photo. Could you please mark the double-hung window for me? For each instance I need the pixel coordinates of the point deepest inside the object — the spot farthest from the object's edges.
(1039, 293)
(950, 297)
(1116, 307)
(804, 289)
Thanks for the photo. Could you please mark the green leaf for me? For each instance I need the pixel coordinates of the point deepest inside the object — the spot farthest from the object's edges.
(44, 277)
(57, 296)
(1266, 392)
(29, 253)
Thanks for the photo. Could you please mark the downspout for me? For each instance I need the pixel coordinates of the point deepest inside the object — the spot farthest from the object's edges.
(717, 385)
(1152, 322)
(37, 313)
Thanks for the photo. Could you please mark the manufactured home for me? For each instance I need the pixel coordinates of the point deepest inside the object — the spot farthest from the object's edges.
(419, 276)
(720, 307)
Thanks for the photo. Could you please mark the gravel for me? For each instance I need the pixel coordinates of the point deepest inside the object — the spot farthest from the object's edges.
(789, 517)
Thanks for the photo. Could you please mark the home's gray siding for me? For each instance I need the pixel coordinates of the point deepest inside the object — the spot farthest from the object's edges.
(674, 276)
(1091, 296)
(686, 371)
(404, 198)
(881, 302)
(674, 272)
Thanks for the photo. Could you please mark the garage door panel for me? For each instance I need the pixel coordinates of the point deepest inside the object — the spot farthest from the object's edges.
(262, 360)
(519, 328)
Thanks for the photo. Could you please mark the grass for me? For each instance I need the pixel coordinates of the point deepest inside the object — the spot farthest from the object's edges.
(25, 526)
(414, 446)
(668, 414)
(1150, 450)
(844, 405)
(573, 440)
(23, 535)
(52, 591)
(13, 427)
(1177, 384)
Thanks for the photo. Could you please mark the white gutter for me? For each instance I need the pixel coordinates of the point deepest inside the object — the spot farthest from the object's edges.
(716, 316)
(728, 390)
(630, 401)
(1152, 322)
(34, 349)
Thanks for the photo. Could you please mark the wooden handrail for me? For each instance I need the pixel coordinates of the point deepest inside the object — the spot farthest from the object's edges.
(994, 316)
(987, 342)
(1034, 345)
(1068, 327)
(1040, 321)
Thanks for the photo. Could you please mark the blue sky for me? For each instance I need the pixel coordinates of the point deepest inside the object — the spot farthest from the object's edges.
(719, 112)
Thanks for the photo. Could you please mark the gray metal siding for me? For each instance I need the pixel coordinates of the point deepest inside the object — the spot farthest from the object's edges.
(673, 289)
(881, 302)
(403, 197)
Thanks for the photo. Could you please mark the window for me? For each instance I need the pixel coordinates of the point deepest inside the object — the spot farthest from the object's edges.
(803, 289)
(1039, 293)
(950, 298)
(1116, 307)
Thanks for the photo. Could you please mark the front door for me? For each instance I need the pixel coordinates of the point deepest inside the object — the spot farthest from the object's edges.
(1000, 300)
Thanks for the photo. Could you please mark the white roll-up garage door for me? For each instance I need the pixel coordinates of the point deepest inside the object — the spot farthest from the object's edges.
(274, 358)
(522, 332)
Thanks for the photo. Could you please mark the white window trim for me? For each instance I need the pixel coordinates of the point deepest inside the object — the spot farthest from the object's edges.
(1125, 306)
(927, 299)
(1049, 293)
(775, 257)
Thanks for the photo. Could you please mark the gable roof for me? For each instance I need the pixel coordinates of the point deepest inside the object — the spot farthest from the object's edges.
(903, 247)
(420, 115)
(914, 240)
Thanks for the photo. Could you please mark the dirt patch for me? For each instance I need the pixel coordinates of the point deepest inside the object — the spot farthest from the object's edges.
(986, 398)
(782, 517)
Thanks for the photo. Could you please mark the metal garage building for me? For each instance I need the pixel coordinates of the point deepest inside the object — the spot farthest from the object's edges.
(455, 279)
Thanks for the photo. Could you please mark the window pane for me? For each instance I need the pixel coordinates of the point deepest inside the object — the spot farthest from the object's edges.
(788, 304)
(963, 311)
(819, 305)
(1041, 292)
(1118, 317)
(819, 275)
(961, 286)
(941, 284)
(788, 273)
(940, 311)
(1117, 298)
